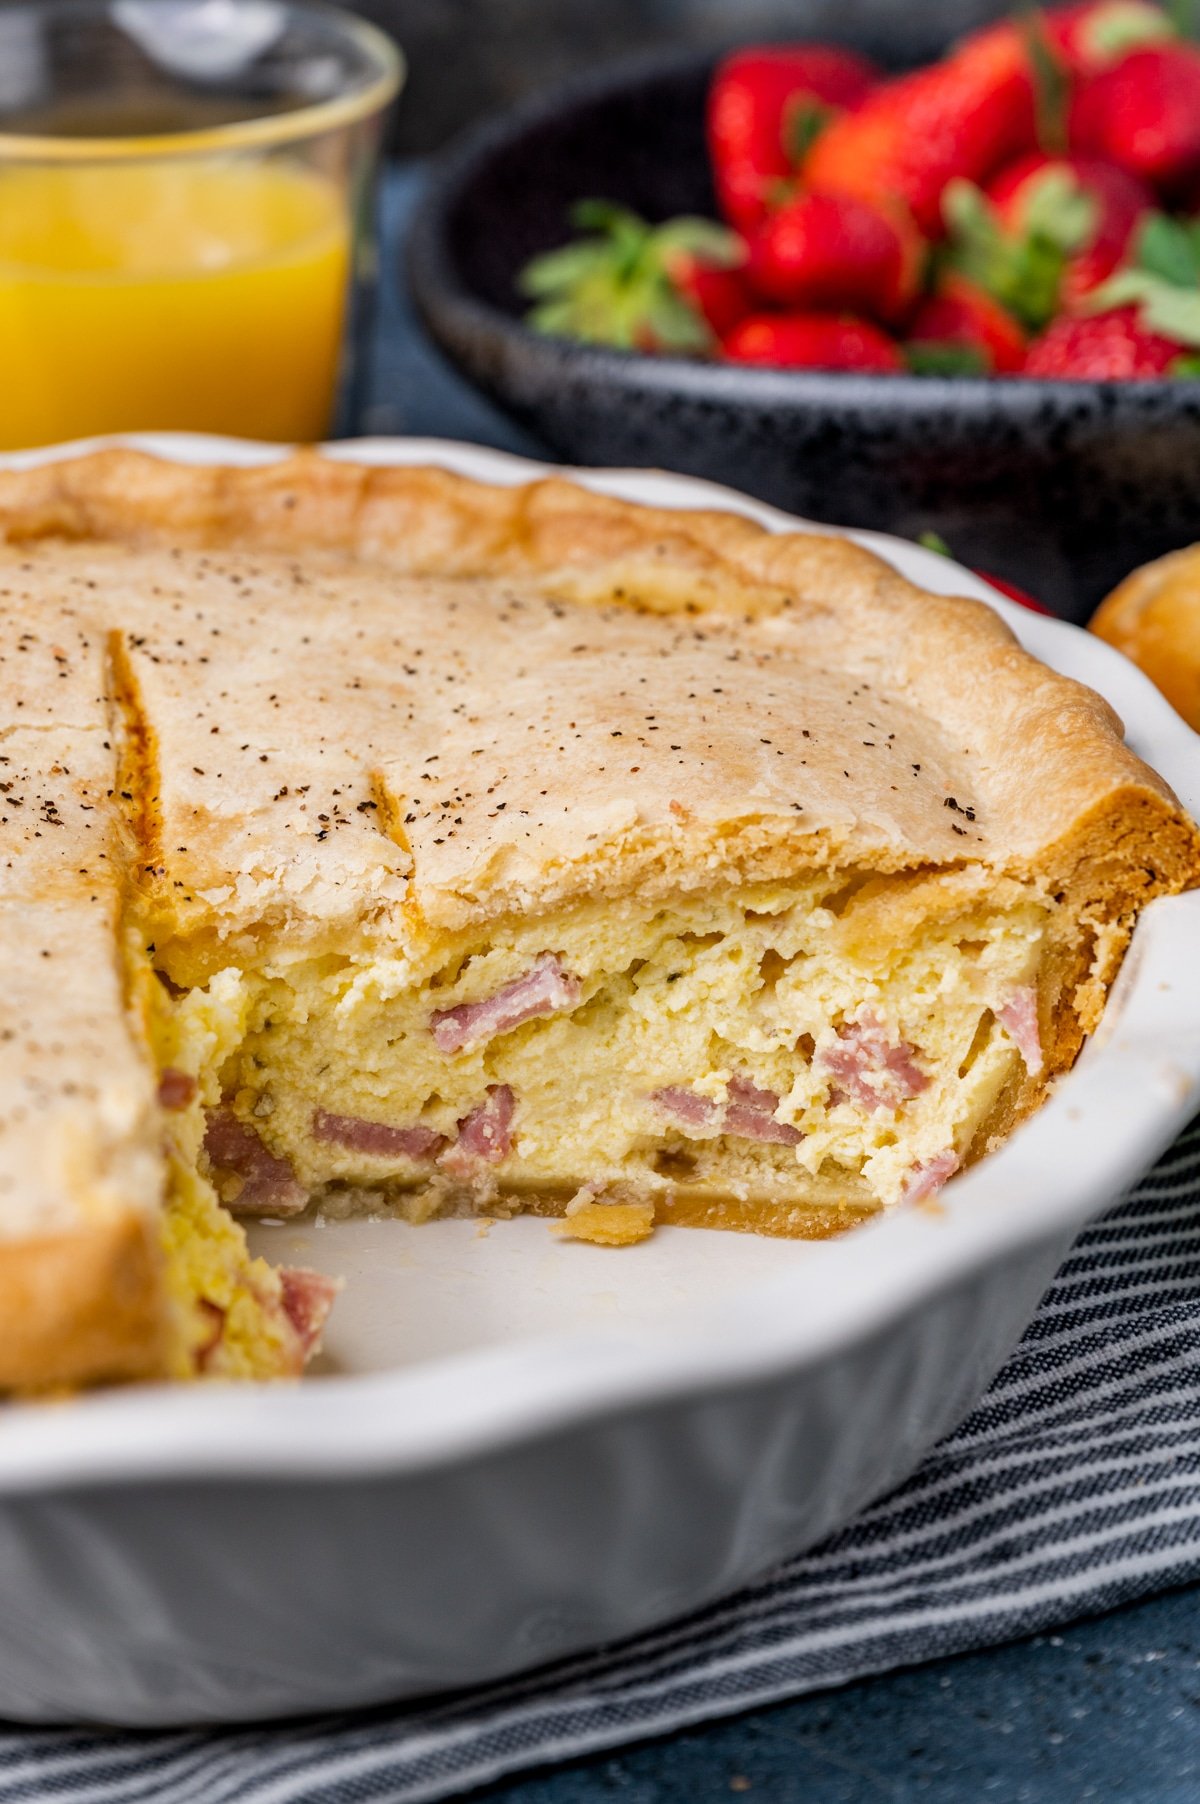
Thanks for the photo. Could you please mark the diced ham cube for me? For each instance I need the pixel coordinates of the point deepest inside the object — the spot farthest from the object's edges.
(307, 1297)
(871, 1069)
(175, 1088)
(926, 1179)
(748, 1114)
(266, 1184)
(545, 989)
(1019, 1018)
(298, 1310)
(378, 1139)
(485, 1135)
(689, 1108)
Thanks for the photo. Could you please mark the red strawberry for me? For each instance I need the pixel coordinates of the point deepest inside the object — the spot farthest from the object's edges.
(1074, 41)
(812, 341)
(962, 317)
(722, 296)
(963, 117)
(1014, 594)
(1161, 279)
(760, 99)
(933, 541)
(1121, 201)
(1099, 32)
(1101, 347)
(1144, 113)
(833, 250)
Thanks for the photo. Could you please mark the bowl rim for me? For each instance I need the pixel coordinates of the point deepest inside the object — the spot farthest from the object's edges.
(456, 313)
(1136, 1083)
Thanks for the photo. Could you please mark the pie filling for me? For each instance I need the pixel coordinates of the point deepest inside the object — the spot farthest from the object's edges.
(231, 1315)
(788, 1057)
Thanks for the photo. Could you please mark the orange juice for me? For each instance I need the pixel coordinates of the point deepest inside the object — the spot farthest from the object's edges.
(199, 293)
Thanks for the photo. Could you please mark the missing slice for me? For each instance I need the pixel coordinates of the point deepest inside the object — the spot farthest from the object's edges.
(748, 1052)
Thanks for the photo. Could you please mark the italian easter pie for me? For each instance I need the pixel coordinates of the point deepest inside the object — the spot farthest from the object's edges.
(377, 840)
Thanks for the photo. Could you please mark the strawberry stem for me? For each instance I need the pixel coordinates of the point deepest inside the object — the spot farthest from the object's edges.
(1051, 83)
(804, 119)
(1185, 17)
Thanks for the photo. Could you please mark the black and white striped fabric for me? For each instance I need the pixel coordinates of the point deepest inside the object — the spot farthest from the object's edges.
(1073, 1487)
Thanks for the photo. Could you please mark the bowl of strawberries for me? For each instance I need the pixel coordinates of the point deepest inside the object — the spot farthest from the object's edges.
(962, 299)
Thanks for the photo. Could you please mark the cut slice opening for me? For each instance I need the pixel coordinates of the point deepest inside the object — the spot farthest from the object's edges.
(756, 1058)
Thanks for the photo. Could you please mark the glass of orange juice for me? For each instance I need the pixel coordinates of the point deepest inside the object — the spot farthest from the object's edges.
(186, 215)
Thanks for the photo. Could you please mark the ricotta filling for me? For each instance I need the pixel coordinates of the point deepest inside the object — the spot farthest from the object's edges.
(830, 1044)
(231, 1315)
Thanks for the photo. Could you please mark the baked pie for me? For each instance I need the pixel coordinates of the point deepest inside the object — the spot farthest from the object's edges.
(1154, 618)
(374, 839)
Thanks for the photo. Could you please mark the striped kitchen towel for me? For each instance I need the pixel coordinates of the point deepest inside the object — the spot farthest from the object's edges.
(1074, 1486)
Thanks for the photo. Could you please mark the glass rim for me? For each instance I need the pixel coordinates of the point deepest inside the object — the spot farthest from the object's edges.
(269, 129)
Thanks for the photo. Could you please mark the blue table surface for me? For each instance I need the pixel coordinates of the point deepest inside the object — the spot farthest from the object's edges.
(1106, 1710)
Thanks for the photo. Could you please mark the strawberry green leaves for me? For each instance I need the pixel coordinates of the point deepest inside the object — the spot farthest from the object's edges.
(1162, 282)
(1183, 19)
(1059, 210)
(1170, 249)
(615, 286)
(945, 357)
(1171, 312)
(1021, 268)
(1112, 31)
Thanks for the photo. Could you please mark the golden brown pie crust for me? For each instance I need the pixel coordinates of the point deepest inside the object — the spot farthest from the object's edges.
(1154, 618)
(84, 1305)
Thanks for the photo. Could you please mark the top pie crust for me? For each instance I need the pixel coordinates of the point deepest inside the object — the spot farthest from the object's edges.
(321, 699)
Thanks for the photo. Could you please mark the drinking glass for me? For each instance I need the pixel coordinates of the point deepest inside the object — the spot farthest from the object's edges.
(186, 215)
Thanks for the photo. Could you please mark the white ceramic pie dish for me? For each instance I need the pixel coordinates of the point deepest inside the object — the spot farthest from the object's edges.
(519, 1446)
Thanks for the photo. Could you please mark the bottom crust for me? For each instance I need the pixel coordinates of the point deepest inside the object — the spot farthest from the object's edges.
(778, 1218)
(693, 1209)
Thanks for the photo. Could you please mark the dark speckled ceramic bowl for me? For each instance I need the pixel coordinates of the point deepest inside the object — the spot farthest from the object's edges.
(1060, 486)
